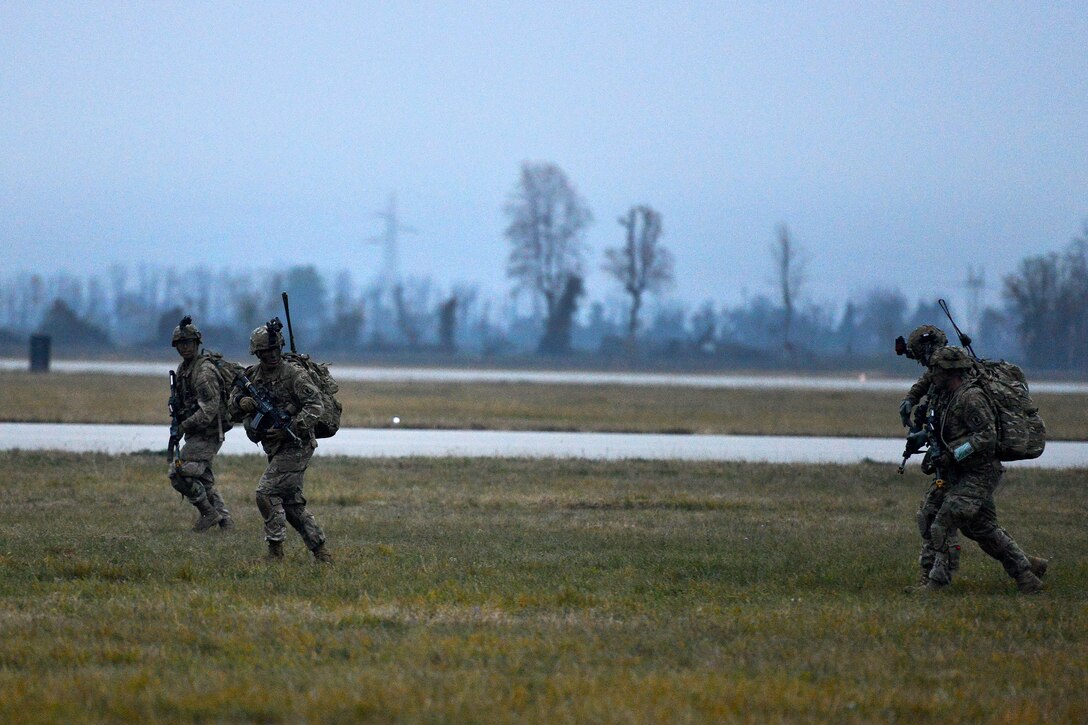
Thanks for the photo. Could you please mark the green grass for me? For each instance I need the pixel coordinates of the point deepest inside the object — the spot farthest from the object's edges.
(540, 591)
(93, 398)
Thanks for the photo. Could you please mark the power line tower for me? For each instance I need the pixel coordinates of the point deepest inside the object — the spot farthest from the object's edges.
(389, 276)
(975, 284)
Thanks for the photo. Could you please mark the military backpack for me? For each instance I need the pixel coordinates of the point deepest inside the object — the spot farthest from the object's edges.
(226, 371)
(1021, 434)
(329, 422)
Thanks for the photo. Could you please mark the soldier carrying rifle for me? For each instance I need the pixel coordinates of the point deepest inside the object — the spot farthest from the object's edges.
(280, 405)
(198, 412)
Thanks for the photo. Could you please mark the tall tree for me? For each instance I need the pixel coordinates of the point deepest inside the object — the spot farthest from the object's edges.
(546, 231)
(1048, 298)
(641, 265)
(557, 335)
(789, 276)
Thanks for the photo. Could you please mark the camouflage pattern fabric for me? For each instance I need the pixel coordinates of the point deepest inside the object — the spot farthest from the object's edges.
(920, 388)
(927, 513)
(279, 492)
(291, 390)
(195, 479)
(280, 499)
(968, 503)
(200, 391)
(969, 418)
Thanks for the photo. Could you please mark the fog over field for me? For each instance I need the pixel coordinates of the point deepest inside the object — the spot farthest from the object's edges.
(926, 148)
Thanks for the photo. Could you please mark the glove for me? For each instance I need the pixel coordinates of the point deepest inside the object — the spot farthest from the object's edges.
(904, 411)
(248, 404)
(186, 425)
(916, 441)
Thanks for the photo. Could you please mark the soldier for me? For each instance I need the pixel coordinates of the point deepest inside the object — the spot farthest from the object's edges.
(921, 343)
(967, 462)
(279, 492)
(202, 399)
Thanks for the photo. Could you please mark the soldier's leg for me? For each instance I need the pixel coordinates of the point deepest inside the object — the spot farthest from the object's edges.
(216, 500)
(303, 521)
(188, 486)
(269, 496)
(196, 456)
(188, 479)
(927, 511)
(995, 541)
(954, 513)
(206, 448)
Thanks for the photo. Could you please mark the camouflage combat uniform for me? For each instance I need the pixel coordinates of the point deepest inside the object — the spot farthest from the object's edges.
(922, 342)
(928, 508)
(968, 432)
(279, 491)
(200, 391)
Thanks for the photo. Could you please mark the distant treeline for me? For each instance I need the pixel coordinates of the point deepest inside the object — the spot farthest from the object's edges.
(1042, 322)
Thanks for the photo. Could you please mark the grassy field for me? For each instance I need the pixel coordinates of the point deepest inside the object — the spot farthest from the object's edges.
(538, 591)
(114, 399)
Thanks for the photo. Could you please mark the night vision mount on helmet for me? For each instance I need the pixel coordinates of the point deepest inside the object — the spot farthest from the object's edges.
(267, 336)
(921, 343)
(185, 330)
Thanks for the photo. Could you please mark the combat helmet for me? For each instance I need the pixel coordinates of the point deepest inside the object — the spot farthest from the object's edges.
(185, 330)
(950, 358)
(923, 340)
(266, 336)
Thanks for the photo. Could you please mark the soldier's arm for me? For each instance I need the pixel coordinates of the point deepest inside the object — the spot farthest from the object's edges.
(980, 443)
(309, 402)
(236, 394)
(920, 388)
(206, 388)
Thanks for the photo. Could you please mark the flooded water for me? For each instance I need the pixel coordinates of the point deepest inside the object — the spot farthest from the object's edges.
(395, 443)
(455, 375)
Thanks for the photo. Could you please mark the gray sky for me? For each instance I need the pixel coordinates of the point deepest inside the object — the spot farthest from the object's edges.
(885, 135)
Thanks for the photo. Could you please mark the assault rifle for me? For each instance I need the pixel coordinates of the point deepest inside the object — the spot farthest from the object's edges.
(268, 416)
(933, 438)
(174, 406)
(177, 415)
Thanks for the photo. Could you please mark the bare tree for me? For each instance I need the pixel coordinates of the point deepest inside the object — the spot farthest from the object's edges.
(641, 265)
(547, 221)
(789, 276)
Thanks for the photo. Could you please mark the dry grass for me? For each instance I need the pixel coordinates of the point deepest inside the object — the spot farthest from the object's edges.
(115, 399)
(538, 591)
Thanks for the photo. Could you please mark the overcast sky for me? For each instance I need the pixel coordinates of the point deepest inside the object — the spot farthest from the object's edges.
(891, 138)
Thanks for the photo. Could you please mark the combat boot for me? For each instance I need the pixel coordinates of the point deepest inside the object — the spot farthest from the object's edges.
(1028, 583)
(322, 554)
(209, 517)
(226, 523)
(939, 575)
(275, 551)
(1038, 565)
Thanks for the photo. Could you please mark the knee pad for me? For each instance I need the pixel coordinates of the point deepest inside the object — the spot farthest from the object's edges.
(187, 487)
(194, 469)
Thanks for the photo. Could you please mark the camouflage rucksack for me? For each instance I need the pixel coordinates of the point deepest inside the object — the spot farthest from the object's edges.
(1021, 434)
(227, 371)
(329, 422)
